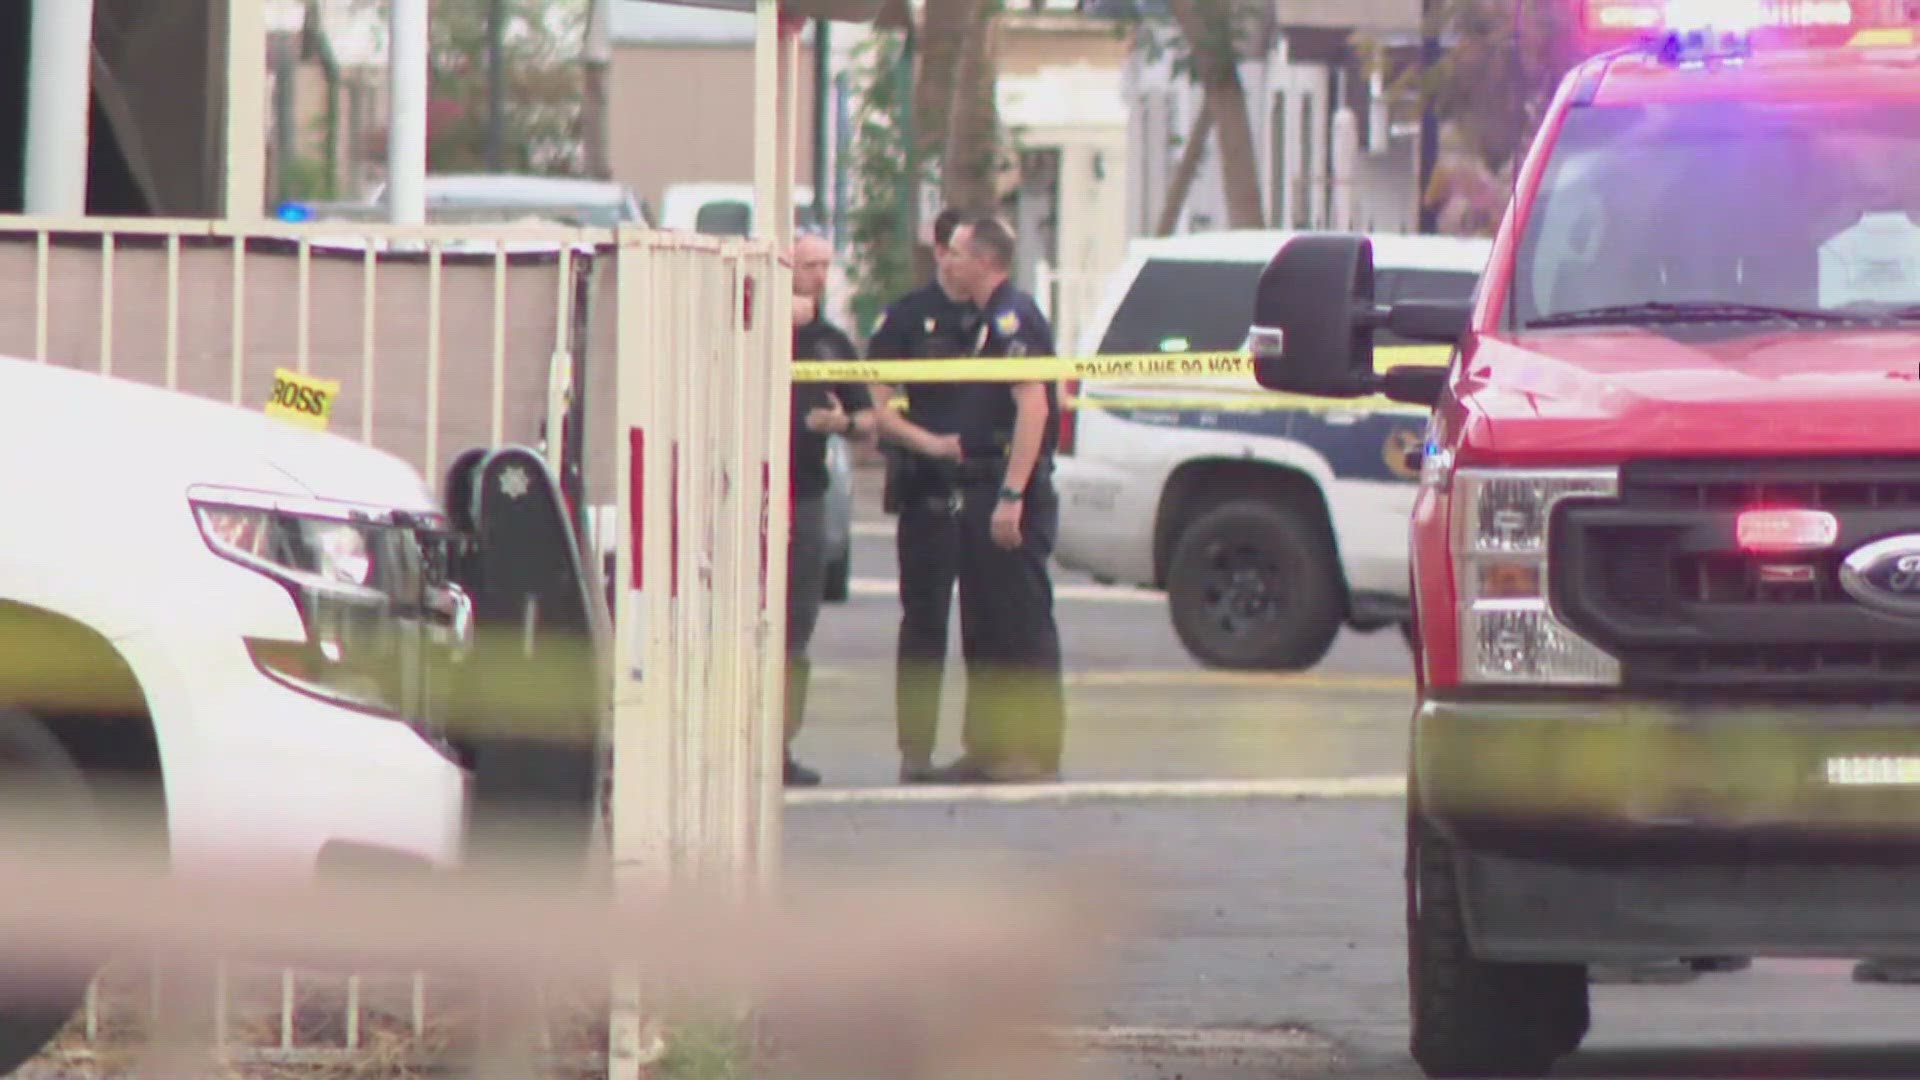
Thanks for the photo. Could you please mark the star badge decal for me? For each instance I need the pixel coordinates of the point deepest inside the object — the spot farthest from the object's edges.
(513, 482)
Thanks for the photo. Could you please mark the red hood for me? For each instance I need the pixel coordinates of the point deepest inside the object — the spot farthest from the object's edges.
(1589, 395)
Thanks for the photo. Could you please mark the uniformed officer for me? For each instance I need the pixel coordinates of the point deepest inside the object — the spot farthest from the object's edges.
(1009, 520)
(932, 322)
(821, 411)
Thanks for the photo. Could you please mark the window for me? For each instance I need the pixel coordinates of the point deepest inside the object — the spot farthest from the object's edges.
(1180, 306)
(1777, 203)
(726, 218)
(1396, 285)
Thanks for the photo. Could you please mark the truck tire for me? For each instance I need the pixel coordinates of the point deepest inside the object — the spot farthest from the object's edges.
(1255, 585)
(1471, 1017)
(41, 784)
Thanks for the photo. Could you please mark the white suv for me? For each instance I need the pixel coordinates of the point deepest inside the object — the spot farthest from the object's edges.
(227, 619)
(1271, 521)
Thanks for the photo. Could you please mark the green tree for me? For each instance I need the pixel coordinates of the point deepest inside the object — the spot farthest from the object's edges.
(879, 168)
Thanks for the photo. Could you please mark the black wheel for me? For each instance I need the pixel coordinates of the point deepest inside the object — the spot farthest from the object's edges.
(45, 804)
(1255, 585)
(839, 580)
(1472, 1018)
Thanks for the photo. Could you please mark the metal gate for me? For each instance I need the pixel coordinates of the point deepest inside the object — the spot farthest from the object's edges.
(661, 359)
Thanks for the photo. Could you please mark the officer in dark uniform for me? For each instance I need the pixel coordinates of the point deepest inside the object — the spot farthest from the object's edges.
(821, 411)
(929, 323)
(1009, 520)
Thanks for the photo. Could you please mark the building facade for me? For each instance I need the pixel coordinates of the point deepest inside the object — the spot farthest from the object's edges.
(681, 97)
(1331, 150)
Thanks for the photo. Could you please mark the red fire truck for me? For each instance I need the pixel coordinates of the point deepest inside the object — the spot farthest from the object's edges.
(1666, 547)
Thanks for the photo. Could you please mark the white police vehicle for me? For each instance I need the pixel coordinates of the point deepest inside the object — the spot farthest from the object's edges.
(1271, 521)
(214, 620)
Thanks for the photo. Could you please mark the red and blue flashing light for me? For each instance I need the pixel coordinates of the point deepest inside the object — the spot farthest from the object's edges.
(1713, 26)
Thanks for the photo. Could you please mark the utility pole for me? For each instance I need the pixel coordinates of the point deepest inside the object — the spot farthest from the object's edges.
(59, 88)
(822, 98)
(496, 85)
(599, 56)
(1429, 115)
(407, 50)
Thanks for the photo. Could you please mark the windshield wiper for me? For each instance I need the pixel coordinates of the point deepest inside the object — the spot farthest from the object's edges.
(1663, 311)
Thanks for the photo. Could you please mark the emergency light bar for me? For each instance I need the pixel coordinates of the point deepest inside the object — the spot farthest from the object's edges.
(1715, 24)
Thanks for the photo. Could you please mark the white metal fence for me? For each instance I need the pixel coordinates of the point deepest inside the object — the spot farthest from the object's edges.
(702, 534)
(443, 338)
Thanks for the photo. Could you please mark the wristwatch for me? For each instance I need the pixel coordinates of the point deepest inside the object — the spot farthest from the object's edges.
(1008, 494)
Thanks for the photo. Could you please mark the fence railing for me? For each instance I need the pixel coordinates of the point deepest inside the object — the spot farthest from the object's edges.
(665, 357)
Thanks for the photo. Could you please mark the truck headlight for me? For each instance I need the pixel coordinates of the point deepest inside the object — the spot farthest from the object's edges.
(1508, 631)
(359, 583)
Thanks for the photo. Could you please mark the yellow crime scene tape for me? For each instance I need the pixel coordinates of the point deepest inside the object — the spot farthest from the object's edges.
(302, 399)
(1233, 368)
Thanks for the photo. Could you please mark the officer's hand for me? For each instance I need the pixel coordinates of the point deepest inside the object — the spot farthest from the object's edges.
(944, 448)
(1006, 525)
(828, 421)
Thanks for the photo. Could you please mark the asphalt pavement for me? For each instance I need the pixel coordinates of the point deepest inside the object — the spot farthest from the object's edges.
(1262, 816)
(1140, 708)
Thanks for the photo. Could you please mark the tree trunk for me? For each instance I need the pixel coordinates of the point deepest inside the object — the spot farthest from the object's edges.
(944, 25)
(937, 44)
(970, 167)
(1210, 38)
(1183, 174)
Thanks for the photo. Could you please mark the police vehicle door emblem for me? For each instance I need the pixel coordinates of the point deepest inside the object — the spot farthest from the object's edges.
(513, 482)
(1885, 575)
(1399, 444)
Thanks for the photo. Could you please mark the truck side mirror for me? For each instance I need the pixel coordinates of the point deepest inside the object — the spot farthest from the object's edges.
(1314, 317)
(1443, 322)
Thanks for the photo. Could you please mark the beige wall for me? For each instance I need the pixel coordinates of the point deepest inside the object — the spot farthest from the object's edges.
(1376, 15)
(685, 112)
(1031, 42)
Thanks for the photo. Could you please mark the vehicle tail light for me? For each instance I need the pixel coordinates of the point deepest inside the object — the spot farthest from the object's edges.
(1508, 631)
(1069, 389)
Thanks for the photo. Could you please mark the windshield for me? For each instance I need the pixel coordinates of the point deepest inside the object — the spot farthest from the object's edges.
(1812, 207)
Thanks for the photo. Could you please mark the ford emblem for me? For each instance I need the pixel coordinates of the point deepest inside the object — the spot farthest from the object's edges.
(1885, 575)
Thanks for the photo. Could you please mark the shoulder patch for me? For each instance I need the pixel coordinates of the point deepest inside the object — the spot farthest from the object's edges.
(930, 324)
(1008, 323)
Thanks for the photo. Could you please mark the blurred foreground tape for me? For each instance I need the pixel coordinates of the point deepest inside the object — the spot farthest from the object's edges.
(302, 399)
(856, 974)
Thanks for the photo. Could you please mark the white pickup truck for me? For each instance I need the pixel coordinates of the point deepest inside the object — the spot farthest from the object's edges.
(1271, 521)
(216, 621)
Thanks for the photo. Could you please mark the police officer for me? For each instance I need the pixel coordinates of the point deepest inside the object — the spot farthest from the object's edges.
(821, 411)
(1009, 520)
(932, 322)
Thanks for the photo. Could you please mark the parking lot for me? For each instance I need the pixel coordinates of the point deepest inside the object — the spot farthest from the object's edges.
(1265, 808)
